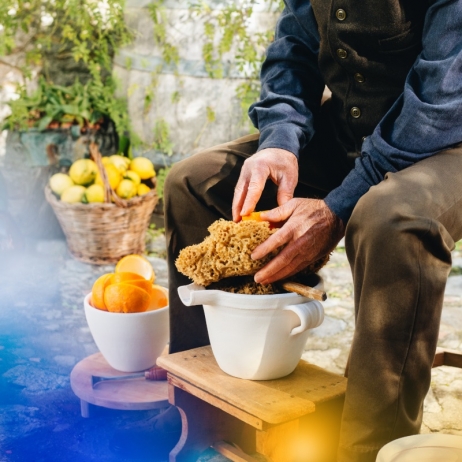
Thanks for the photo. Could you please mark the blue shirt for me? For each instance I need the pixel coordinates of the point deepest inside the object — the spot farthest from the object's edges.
(425, 119)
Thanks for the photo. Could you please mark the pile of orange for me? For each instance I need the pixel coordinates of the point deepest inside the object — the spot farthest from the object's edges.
(130, 289)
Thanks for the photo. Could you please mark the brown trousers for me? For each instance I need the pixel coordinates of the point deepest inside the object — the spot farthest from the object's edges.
(398, 242)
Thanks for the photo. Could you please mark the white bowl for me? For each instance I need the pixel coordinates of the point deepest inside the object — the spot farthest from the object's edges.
(428, 447)
(256, 337)
(130, 342)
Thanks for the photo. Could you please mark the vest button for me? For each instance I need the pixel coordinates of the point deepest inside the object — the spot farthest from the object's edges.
(355, 112)
(359, 78)
(340, 14)
(341, 53)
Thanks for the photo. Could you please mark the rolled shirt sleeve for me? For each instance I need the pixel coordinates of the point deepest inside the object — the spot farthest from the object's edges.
(292, 85)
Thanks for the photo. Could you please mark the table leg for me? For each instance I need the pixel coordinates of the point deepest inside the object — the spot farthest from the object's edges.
(85, 408)
(203, 425)
(278, 442)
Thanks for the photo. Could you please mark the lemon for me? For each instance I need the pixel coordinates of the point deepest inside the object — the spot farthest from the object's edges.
(143, 189)
(94, 193)
(126, 189)
(133, 176)
(59, 182)
(106, 160)
(113, 176)
(83, 171)
(73, 194)
(143, 166)
(120, 162)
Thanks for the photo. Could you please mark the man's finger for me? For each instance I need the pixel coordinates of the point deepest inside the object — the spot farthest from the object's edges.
(280, 237)
(281, 213)
(239, 197)
(253, 193)
(280, 267)
(285, 190)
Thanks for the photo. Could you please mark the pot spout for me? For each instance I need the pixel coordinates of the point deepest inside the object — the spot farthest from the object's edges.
(194, 294)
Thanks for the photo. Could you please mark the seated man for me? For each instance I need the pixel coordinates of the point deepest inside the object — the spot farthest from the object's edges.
(378, 163)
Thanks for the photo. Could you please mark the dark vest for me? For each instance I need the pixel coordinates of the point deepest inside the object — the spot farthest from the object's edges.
(367, 48)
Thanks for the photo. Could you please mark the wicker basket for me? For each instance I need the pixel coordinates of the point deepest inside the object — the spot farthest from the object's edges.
(102, 233)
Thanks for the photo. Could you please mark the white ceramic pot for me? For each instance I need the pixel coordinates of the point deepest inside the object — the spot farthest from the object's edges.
(256, 337)
(130, 342)
(428, 447)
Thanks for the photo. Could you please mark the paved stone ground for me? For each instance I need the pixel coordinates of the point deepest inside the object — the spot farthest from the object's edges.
(43, 334)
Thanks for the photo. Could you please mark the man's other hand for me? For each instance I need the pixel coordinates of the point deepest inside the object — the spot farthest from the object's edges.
(311, 231)
(279, 165)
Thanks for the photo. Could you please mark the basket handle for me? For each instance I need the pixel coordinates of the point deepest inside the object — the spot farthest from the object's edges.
(109, 193)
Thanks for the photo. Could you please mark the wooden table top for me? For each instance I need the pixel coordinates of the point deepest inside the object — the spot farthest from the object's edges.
(272, 401)
(130, 394)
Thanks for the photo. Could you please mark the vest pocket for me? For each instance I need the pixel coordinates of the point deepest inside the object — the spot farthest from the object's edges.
(407, 41)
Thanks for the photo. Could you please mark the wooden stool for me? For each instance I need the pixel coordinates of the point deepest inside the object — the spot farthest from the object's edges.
(293, 418)
(131, 394)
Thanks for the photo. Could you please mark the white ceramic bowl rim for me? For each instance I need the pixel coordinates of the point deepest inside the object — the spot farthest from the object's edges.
(194, 294)
(126, 315)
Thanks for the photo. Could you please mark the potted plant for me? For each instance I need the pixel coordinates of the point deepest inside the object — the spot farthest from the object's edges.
(60, 53)
(63, 50)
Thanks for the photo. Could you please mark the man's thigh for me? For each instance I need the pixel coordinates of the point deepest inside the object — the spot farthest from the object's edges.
(429, 190)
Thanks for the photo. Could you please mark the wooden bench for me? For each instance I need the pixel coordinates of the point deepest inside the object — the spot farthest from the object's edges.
(296, 418)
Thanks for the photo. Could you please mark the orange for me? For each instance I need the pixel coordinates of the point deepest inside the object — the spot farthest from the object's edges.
(138, 264)
(97, 292)
(257, 217)
(159, 298)
(252, 216)
(125, 297)
(131, 278)
(125, 276)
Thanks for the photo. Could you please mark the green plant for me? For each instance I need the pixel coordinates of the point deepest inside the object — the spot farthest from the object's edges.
(54, 105)
(71, 44)
(228, 31)
(161, 176)
(227, 36)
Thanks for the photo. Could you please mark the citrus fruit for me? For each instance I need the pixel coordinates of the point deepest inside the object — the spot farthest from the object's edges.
(159, 298)
(125, 297)
(97, 291)
(120, 162)
(83, 171)
(143, 189)
(126, 189)
(133, 176)
(252, 216)
(113, 175)
(125, 276)
(257, 217)
(143, 166)
(59, 182)
(138, 264)
(131, 278)
(73, 194)
(94, 193)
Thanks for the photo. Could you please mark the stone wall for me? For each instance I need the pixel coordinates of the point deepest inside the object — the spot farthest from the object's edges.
(187, 119)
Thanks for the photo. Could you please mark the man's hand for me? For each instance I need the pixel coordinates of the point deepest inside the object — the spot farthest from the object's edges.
(311, 231)
(279, 165)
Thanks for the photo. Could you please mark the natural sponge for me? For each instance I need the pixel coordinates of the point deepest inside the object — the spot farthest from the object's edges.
(225, 252)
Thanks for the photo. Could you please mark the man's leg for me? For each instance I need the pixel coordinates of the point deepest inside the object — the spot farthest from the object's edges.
(399, 241)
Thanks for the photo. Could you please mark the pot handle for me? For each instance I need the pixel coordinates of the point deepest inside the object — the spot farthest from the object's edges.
(311, 315)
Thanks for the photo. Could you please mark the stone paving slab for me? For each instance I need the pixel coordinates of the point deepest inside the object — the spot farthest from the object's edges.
(43, 334)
